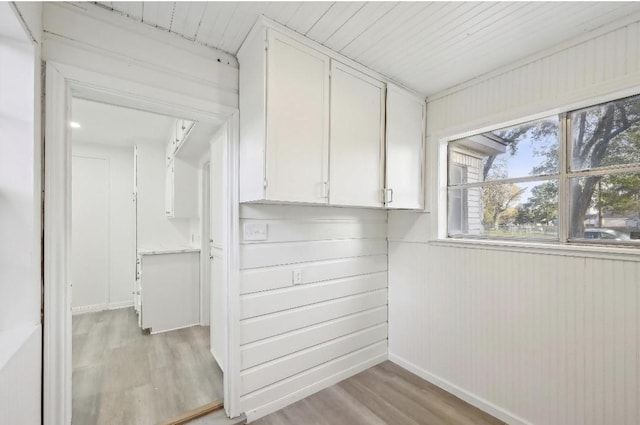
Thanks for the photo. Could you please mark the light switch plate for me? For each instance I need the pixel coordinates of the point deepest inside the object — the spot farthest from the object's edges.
(255, 231)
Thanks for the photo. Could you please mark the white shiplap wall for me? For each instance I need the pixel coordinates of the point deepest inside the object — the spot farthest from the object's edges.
(297, 339)
(539, 338)
(545, 337)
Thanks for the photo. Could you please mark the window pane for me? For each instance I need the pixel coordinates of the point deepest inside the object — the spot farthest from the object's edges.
(605, 207)
(606, 135)
(526, 150)
(523, 210)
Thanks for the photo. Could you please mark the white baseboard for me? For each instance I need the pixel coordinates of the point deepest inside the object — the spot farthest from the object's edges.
(465, 395)
(255, 414)
(101, 307)
(174, 329)
(89, 308)
(121, 304)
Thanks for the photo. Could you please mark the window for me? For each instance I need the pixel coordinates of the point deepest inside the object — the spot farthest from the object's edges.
(534, 181)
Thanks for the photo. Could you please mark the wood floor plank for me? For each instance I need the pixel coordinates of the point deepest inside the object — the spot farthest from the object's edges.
(378, 405)
(384, 394)
(121, 376)
(436, 396)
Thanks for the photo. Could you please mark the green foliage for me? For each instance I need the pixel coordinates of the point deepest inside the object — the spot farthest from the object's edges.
(542, 206)
(602, 136)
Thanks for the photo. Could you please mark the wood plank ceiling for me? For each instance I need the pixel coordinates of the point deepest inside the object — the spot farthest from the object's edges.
(429, 46)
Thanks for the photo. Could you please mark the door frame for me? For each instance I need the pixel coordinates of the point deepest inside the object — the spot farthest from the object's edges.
(63, 82)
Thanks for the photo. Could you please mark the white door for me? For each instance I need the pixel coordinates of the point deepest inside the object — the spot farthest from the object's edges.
(357, 144)
(405, 149)
(297, 121)
(89, 232)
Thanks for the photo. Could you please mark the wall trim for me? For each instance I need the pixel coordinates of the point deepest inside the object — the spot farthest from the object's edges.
(274, 406)
(465, 395)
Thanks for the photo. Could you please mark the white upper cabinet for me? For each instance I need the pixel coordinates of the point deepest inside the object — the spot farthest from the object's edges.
(405, 149)
(356, 161)
(297, 121)
(312, 127)
(284, 120)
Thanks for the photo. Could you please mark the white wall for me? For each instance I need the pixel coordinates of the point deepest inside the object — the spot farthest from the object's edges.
(17, 199)
(155, 230)
(20, 377)
(298, 339)
(536, 336)
(119, 240)
(20, 219)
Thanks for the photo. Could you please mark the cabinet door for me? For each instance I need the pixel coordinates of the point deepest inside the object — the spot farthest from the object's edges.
(357, 144)
(405, 149)
(297, 121)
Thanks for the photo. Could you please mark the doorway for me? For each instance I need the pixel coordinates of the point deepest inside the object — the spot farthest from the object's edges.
(129, 363)
(62, 84)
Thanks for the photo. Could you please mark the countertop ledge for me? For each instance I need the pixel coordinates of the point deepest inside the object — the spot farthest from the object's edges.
(157, 251)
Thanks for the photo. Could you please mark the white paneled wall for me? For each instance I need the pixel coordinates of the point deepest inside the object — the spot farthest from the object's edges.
(532, 336)
(296, 339)
(539, 338)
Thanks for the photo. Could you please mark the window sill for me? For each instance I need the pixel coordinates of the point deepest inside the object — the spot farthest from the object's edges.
(569, 250)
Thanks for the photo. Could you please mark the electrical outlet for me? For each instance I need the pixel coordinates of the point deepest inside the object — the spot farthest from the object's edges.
(297, 276)
(255, 231)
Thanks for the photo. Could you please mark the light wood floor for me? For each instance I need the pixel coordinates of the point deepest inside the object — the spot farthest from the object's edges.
(121, 376)
(382, 395)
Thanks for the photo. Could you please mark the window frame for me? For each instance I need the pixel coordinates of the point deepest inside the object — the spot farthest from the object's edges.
(564, 176)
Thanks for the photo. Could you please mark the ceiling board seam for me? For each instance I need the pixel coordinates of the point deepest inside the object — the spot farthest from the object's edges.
(226, 28)
(381, 53)
(294, 13)
(204, 11)
(435, 57)
(446, 63)
(380, 36)
(367, 28)
(320, 18)
(345, 22)
(173, 14)
(523, 39)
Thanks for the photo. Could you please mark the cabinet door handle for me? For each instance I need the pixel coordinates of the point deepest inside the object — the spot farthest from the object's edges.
(390, 195)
